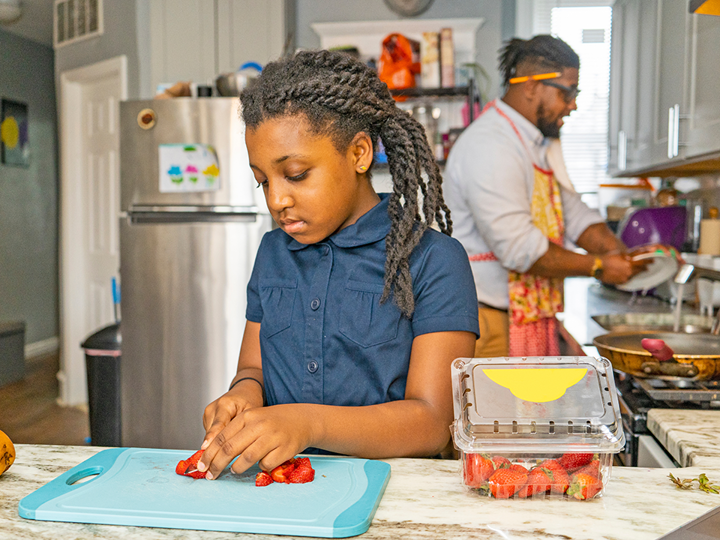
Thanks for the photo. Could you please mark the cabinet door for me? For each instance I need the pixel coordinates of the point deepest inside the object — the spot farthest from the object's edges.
(252, 31)
(182, 41)
(702, 132)
(624, 65)
(671, 50)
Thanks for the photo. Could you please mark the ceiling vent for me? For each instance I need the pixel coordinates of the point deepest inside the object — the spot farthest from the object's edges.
(75, 20)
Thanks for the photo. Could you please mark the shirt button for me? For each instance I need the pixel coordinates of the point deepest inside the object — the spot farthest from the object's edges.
(315, 304)
(312, 366)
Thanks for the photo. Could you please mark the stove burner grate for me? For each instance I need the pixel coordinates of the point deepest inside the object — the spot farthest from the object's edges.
(706, 392)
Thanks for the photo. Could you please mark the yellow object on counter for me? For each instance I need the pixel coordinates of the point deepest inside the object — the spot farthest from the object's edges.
(537, 385)
(7, 452)
(710, 234)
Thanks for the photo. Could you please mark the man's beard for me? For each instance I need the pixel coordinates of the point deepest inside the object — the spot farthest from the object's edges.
(547, 127)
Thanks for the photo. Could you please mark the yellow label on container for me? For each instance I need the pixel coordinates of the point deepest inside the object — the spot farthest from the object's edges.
(537, 385)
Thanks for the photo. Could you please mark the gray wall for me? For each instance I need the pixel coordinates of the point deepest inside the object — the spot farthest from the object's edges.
(126, 32)
(29, 196)
(499, 22)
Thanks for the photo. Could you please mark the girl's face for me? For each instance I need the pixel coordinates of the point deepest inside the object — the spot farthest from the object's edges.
(311, 189)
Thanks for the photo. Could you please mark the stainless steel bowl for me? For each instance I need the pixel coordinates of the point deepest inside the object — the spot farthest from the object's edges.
(690, 323)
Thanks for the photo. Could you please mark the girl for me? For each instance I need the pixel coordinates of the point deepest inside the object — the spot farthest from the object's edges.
(356, 308)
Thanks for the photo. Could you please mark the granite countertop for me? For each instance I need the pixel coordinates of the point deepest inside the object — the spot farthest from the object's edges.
(690, 436)
(424, 500)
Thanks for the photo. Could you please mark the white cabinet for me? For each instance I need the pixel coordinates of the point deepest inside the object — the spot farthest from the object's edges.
(253, 31)
(664, 106)
(702, 133)
(195, 40)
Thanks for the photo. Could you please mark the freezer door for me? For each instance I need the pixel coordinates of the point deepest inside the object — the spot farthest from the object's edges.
(183, 305)
(174, 125)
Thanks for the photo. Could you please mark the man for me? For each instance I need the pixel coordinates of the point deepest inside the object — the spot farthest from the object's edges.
(513, 206)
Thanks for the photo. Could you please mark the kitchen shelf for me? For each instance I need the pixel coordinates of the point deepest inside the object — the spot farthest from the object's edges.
(469, 92)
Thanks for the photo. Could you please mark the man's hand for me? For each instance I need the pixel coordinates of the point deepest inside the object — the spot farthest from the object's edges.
(618, 268)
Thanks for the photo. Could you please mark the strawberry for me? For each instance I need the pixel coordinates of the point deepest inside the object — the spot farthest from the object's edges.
(501, 462)
(188, 467)
(302, 462)
(517, 467)
(560, 480)
(301, 475)
(263, 479)
(504, 483)
(540, 480)
(584, 486)
(573, 461)
(592, 468)
(477, 469)
(282, 471)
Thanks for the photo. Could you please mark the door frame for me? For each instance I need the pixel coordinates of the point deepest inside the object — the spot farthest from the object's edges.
(73, 311)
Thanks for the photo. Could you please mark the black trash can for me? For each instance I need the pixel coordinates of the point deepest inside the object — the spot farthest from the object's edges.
(102, 362)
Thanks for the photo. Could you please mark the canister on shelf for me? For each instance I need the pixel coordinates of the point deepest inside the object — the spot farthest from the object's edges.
(710, 234)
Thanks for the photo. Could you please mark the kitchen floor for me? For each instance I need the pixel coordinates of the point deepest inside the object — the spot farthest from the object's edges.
(29, 413)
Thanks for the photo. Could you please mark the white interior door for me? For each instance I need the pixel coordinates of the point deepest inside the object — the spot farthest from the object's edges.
(90, 194)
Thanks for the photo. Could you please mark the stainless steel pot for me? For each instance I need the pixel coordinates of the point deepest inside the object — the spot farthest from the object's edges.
(697, 356)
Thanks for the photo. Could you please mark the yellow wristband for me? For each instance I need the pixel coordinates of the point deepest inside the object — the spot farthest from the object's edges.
(596, 268)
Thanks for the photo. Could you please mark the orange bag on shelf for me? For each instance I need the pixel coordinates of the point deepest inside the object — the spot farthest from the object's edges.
(399, 61)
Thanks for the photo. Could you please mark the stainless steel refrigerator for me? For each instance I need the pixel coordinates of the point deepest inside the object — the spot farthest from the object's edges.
(191, 223)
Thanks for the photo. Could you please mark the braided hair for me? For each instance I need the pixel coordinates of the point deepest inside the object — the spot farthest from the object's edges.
(341, 97)
(542, 52)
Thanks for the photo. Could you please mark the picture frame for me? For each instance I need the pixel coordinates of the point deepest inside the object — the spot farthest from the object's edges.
(14, 140)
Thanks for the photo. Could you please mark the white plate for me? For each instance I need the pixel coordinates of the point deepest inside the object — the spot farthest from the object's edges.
(662, 268)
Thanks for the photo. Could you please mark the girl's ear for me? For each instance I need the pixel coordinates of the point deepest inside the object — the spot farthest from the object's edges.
(361, 152)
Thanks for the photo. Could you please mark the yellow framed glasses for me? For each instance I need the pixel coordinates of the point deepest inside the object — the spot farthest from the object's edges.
(538, 77)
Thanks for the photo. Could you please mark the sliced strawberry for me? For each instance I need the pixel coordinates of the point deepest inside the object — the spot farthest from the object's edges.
(504, 483)
(282, 471)
(477, 470)
(572, 461)
(584, 486)
(263, 479)
(301, 475)
(302, 462)
(188, 467)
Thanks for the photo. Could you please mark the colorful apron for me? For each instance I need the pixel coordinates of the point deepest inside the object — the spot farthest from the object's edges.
(534, 300)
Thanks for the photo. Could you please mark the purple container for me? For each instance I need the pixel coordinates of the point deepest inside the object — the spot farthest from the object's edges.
(663, 225)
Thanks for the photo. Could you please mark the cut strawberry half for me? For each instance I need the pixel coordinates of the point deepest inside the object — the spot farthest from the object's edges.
(263, 479)
(302, 475)
(188, 467)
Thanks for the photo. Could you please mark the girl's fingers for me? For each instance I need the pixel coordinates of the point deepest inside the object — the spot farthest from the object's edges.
(261, 451)
(216, 421)
(216, 438)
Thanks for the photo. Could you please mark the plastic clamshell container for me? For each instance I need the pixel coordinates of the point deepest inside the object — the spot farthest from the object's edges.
(532, 409)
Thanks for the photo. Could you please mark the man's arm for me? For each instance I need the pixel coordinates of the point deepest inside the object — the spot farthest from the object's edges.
(599, 239)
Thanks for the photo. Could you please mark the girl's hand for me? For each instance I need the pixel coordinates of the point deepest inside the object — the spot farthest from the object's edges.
(243, 396)
(267, 436)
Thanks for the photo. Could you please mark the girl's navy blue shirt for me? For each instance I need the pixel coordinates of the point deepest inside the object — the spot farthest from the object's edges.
(324, 335)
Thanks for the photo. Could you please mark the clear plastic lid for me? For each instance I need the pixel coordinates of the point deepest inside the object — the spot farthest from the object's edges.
(536, 404)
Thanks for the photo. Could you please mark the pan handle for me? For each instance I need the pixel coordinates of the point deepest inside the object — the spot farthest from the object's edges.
(674, 369)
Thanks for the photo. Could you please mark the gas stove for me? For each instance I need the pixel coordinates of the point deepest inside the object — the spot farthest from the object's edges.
(637, 396)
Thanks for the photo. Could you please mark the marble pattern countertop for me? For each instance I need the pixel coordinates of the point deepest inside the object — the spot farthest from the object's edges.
(424, 500)
(692, 437)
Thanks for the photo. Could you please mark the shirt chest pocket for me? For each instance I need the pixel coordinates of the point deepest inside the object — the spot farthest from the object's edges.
(365, 320)
(277, 297)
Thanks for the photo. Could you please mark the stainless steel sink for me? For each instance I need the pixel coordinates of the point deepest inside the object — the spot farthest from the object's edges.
(661, 322)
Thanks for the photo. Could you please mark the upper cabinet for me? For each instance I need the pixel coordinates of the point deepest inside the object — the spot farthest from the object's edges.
(196, 40)
(664, 112)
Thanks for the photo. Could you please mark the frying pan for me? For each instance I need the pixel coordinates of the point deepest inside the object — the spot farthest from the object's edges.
(697, 356)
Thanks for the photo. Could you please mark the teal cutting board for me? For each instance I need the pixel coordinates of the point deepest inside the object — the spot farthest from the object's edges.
(138, 486)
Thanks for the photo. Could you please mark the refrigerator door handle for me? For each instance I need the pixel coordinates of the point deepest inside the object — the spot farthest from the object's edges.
(191, 214)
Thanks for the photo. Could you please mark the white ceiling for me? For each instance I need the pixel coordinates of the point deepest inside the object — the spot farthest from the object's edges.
(36, 22)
